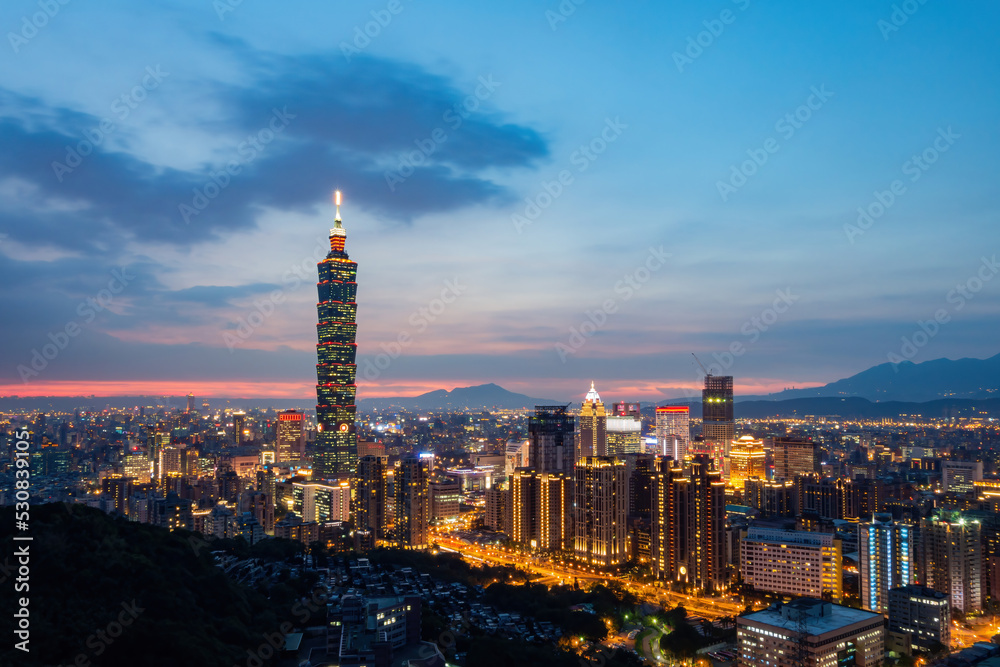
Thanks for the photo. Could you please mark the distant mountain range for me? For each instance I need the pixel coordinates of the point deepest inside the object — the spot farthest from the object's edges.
(484, 396)
(926, 388)
(854, 407)
(907, 381)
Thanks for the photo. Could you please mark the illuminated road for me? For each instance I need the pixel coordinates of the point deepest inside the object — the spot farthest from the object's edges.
(561, 573)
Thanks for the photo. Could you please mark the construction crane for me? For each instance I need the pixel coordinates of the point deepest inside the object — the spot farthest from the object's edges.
(703, 369)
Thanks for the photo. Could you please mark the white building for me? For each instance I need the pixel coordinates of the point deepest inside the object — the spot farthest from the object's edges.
(810, 633)
(792, 562)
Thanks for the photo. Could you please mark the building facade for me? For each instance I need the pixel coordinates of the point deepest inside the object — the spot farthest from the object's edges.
(792, 562)
(600, 509)
(717, 425)
(747, 460)
(593, 436)
(687, 541)
(291, 445)
(922, 615)
(810, 633)
(673, 431)
(951, 559)
(886, 560)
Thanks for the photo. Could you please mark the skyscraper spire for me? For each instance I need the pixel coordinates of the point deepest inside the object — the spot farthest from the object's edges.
(338, 235)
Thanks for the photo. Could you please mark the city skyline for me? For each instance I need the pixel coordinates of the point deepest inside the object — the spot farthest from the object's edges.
(207, 273)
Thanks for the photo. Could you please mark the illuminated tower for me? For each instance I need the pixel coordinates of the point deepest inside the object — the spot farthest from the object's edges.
(336, 440)
(291, 438)
(746, 461)
(673, 431)
(718, 427)
(593, 426)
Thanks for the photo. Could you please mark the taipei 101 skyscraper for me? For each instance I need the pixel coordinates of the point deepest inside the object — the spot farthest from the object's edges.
(336, 454)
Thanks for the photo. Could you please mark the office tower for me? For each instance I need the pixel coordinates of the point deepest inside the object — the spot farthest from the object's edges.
(794, 457)
(687, 545)
(922, 615)
(540, 508)
(413, 507)
(624, 435)
(771, 499)
(673, 431)
(886, 560)
(601, 492)
(137, 466)
(810, 633)
(239, 427)
(717, 425)
(593, 426)
(315, 501)
(291, 436)
(951, 559)
(960, 476)
(792, 562)
(190, 403)
(747, 460)
(336, 439)
(446, 498)
(372, 495)
(550, 436)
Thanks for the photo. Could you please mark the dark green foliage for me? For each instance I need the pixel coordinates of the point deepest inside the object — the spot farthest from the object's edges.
(683, 642)
(85, 565)
(444, 566)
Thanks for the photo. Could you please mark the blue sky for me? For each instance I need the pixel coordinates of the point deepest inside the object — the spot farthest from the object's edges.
(635, 115)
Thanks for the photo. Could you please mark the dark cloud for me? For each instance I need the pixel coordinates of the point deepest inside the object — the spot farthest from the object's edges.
(333, 123)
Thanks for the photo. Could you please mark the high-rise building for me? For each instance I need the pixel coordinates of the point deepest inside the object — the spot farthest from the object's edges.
(960, 476)
(717, 425)
(794, 457)
(239, 427)
(771, 499)
(373, 492)
(624, 435)
(336, 439)
(541, 504)
(190, 403)
(886, 550)
(446, 498)
(550, 440)
(673, 431)
(413, 506)
(516, 455)
(810, 633)
(747, 460)
(641, 472)
(601, 505)
(792, 562)
(593, 426)
(291, 436)
(497, 512)
(921, 614)
(951, 559)
(687, 545)
(315, 501)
